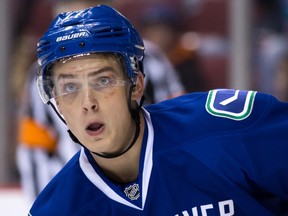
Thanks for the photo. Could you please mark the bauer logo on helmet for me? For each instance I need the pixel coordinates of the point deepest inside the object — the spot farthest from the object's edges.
(72, 36)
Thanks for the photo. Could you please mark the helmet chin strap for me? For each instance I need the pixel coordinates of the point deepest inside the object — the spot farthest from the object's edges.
(110, 155)
(135, 113)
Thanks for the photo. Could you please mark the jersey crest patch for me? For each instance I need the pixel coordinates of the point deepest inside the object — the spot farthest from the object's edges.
(232, 104)
(132, 192)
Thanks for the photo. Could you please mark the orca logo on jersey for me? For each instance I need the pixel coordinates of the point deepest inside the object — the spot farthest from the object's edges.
(229, 103)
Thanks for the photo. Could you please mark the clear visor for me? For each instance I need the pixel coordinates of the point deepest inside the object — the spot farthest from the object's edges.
(53, 86)
(97, 72)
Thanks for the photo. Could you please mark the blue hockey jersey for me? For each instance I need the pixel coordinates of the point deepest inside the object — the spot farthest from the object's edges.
(220, 153)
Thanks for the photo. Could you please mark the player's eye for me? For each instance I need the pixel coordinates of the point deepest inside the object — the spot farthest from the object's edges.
(104, 82)
(68, 88)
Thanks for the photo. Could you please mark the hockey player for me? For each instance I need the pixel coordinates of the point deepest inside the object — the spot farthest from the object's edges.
(223, 152)
(43, 146)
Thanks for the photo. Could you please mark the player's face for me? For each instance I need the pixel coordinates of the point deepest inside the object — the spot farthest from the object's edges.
(92, 94)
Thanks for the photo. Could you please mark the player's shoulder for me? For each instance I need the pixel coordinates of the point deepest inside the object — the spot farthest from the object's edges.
(222, 103)
(58, 189)
(190, 99)
(239, 104)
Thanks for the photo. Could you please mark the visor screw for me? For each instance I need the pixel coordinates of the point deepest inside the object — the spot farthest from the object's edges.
(62, 49)
(82, 44)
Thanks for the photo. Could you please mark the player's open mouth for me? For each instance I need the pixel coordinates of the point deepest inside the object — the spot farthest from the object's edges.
(94, 129)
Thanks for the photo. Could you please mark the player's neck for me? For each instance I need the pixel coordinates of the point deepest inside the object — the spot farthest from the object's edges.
(124, 169)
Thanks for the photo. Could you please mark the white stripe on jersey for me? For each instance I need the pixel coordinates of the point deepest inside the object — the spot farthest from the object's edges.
(148, 163)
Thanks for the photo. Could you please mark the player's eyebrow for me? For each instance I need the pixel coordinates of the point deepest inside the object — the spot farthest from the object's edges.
(65, 76)
(92, 74)
(101, 70)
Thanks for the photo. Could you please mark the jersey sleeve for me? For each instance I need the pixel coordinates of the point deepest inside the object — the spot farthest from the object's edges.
(266, 144)
(255, 127)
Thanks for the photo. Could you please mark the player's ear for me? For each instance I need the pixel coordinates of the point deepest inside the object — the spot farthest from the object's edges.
(138, 89)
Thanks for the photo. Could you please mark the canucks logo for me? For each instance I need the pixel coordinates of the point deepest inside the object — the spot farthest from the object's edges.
(132, 192)
(232, 104)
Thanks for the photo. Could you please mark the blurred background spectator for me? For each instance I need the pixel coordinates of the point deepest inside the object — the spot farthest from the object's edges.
(270, 35)
(31, 20)
(193, 33)
(161, 79)
(163, 26)
(280, 83)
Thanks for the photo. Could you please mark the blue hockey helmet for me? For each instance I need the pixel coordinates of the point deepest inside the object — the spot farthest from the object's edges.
(99, 29)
